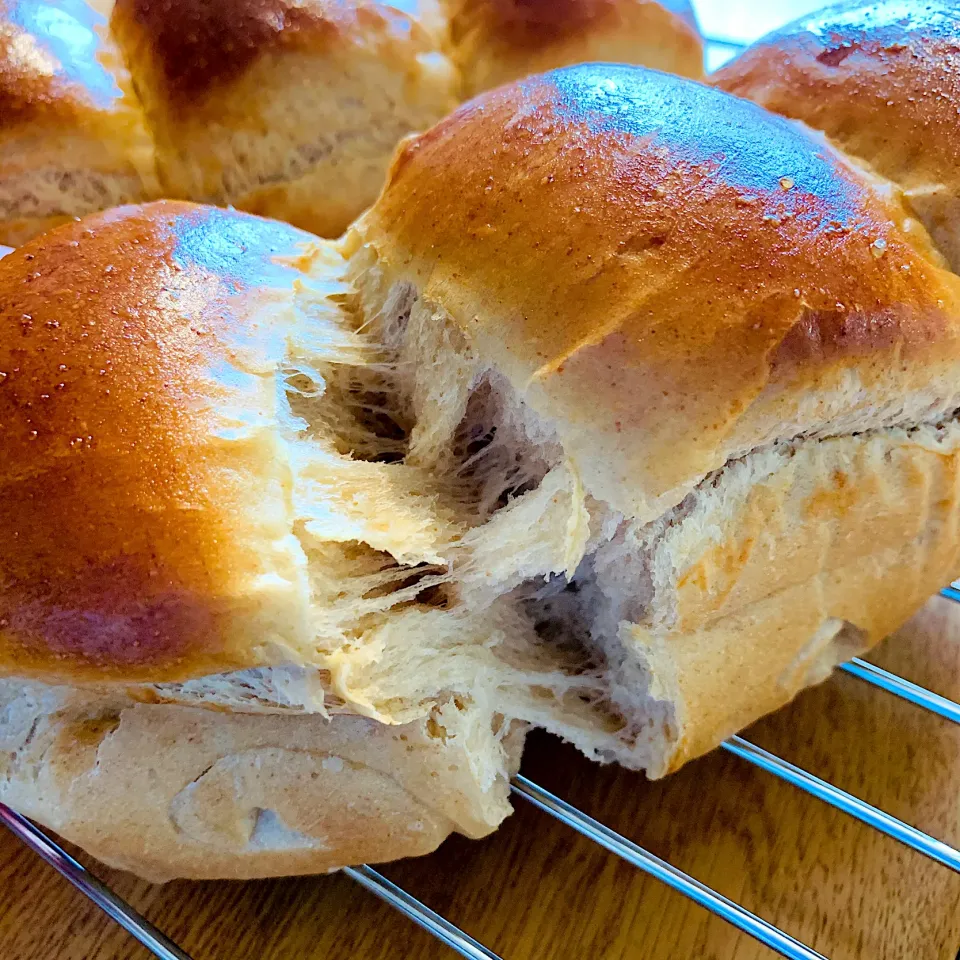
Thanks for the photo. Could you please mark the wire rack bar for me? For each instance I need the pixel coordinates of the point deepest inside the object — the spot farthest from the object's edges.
(728, 42)
(951, 592)
(878, 819)
(903, 688)
(113, 906)
(419, 913)
(465, 945)
(635, 855)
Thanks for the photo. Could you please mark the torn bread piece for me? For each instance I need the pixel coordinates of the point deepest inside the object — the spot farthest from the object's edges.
(171, 791)
(637, 501)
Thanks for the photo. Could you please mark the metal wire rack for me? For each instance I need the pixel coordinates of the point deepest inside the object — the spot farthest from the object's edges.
(466, 946)
(463, 944)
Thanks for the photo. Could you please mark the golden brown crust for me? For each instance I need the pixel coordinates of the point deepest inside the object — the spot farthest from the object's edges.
(668, 274)
(791, 561)
(132, 358)
(881, 79)
(178, 792)
(197, 45)
(495, 41)
(51, 62)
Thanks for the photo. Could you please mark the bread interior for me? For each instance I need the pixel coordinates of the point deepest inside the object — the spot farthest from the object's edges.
(455, 556)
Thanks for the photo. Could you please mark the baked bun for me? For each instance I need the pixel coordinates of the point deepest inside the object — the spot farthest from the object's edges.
(882, 81)
(496, 41)
(291, 110)
(170, 791)
(618, 415)
(190, 401)
(72, 137)
(739, 346)
(150, 398)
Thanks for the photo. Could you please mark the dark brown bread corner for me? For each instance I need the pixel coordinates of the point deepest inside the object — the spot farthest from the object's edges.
(287, 110)
(197, 45)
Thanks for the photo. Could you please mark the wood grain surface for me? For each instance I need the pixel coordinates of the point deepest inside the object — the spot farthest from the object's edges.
(537, 890)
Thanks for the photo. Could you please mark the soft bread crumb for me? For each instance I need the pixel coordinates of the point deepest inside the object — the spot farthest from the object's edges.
(454, 552)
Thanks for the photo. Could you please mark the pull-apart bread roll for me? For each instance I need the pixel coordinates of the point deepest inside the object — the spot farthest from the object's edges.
(628, 411)
(881, 80)
(291, 110)
(176, 413)
(495, 41)
(72, 137)
(286, 109)
(735, 353)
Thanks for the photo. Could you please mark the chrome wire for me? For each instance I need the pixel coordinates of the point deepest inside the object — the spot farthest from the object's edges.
(651, 864)
(878, 819)
(952, 592)
(113, 906)
(890, 682)
(419, 913)
(466, 946)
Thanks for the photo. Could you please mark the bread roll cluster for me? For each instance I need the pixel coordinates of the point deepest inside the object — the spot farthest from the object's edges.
(286, 109)
(628, 411)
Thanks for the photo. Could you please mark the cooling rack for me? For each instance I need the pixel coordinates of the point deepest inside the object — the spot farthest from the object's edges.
(461, 943)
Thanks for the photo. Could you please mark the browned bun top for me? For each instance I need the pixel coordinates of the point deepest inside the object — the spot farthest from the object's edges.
(142, 487)
(882, 79)
(51, 61)
(199, 45)
(669, 274)
(532, 22)
(495, 41)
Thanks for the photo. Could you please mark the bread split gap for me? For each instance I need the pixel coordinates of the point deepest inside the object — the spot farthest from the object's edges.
(453, 552)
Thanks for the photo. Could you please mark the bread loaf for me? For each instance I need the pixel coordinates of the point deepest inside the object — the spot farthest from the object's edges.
(496, 41)
(72, 134)
(290, 110)
(619, 414)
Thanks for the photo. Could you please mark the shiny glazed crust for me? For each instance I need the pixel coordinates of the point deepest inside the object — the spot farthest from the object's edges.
(129, 373)
(600, 208)
(882, 80)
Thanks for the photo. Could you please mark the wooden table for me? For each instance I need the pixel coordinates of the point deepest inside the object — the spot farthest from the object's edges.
(537, 890)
